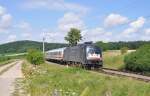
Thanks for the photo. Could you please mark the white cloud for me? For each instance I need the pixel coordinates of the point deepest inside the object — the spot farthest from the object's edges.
(55, 5)
(65, 23)
(70, 20)
(114, 20)
(128, 31)
(24, 26)
(11, 38)
(27, 35)
(5, 20)
(2, 10)
(97, 34)
(138, 23)
(135, 26)
(24, 29)
(147, 31)
(53, 36)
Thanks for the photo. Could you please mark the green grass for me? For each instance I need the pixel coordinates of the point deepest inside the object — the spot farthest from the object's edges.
(4, 60)
(47, 79)
(8, 59)
(113, 60)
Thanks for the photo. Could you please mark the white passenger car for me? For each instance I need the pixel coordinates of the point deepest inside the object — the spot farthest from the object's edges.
(56, 54)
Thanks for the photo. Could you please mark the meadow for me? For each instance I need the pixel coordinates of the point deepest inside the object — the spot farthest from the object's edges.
(56, 80)
(4, 60)
(113, 59)
(8, 59)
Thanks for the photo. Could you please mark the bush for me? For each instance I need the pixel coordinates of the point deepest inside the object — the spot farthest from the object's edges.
(138, 61)
(35, 57)
(124, 50)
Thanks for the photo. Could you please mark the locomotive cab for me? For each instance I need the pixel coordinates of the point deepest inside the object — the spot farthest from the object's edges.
(94, 56)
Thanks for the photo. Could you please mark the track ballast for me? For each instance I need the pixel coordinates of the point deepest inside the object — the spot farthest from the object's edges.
(123, 73)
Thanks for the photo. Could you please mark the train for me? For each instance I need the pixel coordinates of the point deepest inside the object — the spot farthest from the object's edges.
(86, 55)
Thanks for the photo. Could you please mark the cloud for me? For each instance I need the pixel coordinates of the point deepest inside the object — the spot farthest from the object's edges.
(70, 20)
(114, 20)
(146, 34)
(97, 34)
(138, 23)
(65, 23)
(5, 20)
(128, 31)
(11, 38)
(2, 10)
(147, 31)
(55, 5)
(24, 26)
(26, 29)
(135, 26)
(55, 36)
(27, 35)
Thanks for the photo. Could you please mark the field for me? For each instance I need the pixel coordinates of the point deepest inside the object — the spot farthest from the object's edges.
(7, 59)
(4, 60)
(57, 80)
(113, 59)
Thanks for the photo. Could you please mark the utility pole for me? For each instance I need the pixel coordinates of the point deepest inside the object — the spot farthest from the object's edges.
(43, 43)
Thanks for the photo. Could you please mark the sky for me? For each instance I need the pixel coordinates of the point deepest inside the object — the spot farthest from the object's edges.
(98, 20)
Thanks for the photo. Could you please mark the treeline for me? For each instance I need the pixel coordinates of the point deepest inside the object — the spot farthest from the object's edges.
(118, 45)
(23, 46)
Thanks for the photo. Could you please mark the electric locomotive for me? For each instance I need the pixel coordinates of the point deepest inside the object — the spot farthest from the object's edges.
(86, 55)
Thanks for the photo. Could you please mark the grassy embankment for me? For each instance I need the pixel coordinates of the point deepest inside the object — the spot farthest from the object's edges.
(4, 60)
(113, 59)
(48, 79)
(8, 59)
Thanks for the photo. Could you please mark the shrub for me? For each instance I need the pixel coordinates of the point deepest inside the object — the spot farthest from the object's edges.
(138, 61)
(35, 57)
(124, 50)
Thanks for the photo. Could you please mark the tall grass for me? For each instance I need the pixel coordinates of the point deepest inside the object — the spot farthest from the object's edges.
(7, 59)
(56, 80)
(113, 60)
(4, 60)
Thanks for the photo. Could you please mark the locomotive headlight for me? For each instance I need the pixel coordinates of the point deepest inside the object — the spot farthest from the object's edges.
(93, 56)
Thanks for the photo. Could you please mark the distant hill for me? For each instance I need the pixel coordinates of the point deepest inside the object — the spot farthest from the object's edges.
(23, 46)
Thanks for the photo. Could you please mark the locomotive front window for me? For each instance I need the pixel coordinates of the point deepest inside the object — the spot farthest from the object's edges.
(93, 50)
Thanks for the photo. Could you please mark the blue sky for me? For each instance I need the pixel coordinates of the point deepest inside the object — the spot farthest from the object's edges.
(105, 20)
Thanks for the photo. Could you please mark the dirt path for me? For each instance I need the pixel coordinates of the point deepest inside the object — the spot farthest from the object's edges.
(8, 78)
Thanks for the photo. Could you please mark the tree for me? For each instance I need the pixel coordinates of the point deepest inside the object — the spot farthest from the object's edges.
(73, 36)
(35, 57)
(104, 46)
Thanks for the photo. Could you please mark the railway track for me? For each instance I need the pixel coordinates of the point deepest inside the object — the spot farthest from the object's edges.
(123, 73)
(120, 73)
